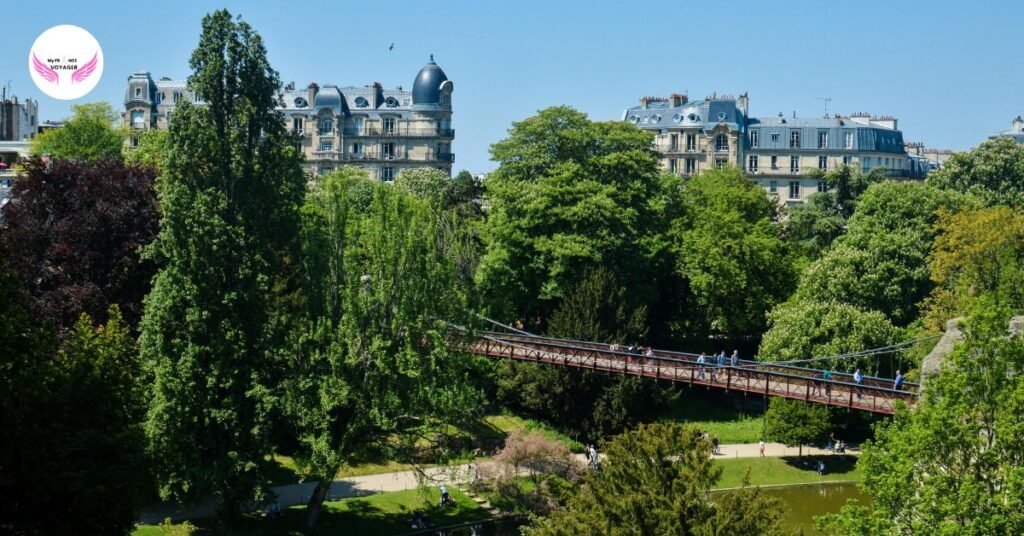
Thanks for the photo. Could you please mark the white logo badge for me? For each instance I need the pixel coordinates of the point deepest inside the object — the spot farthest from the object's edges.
(65, 62)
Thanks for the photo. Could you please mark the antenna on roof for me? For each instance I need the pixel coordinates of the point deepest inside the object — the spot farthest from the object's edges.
(826, 100)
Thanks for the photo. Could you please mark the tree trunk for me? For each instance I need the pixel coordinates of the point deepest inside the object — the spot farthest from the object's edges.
(800, 451)
(316, 501)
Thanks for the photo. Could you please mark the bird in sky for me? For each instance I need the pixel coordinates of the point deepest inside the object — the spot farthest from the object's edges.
(392, 47)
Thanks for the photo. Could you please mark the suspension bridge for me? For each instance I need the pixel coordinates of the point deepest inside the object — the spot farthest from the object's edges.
(778, 379)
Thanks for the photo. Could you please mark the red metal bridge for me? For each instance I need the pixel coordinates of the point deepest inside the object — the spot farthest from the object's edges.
(768, 379)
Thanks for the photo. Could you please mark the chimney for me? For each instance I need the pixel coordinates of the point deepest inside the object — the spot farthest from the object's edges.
(311, 91)
(378, 95)
(679, 99)
(744, 103)
(643, 102)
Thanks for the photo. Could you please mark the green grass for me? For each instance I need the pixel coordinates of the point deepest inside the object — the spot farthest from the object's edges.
(383, 513)
(718, 416)
(786, 470)
(507, 423)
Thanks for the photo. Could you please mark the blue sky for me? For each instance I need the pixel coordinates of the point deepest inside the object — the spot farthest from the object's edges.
(950, 71)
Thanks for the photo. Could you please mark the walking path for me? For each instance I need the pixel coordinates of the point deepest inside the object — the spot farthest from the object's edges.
(294, 494)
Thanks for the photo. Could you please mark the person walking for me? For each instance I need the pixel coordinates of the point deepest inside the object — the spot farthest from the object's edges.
(826, 377)
(760, 447)
(721, 360)
(700, 365)
(858, 379)
(898, 384)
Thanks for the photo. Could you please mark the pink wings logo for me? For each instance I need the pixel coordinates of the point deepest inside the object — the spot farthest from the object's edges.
(45, 70)
(84, 71)
(57, 62)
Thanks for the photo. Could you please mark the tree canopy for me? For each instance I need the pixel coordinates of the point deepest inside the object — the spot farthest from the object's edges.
(226, 249)
(796, 423)
(89, 135)
(656, 480)
(992, 172)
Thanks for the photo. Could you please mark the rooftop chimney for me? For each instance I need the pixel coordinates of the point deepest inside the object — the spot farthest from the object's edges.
(311, 91)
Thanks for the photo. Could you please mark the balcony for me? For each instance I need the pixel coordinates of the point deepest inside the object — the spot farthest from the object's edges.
(399, 131)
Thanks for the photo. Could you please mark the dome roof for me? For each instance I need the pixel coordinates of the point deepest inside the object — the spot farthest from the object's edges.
(427, 87)
(328, 97)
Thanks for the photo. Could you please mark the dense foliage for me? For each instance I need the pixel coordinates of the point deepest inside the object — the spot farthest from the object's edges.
(88, 136)
(228, 239)
(992, 172)
(796, 423)
(656, 481)
(74, 234)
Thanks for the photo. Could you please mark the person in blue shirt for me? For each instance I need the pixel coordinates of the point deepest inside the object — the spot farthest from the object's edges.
(858, 378)
(898, 384)
(826, 377)
(700, 365)
(721, 360)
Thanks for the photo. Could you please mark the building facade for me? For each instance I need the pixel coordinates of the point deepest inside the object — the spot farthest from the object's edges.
(384, 131)
(19, 120)
(783, 155)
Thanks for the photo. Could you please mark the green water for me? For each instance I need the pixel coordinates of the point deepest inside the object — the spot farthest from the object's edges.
(806, 501)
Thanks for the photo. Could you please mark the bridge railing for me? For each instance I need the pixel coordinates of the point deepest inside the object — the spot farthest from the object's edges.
(837, 376)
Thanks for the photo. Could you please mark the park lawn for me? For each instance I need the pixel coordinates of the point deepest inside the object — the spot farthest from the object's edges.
(787, 470)
(382, 513)
(508, 423)
(716, 416)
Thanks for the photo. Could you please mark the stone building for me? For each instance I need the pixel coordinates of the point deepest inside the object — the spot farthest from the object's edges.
(1015, 133)
(381, 130)
(783, 155)
(19, 120)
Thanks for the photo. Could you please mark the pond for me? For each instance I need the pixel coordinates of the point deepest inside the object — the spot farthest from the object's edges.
(809, 500)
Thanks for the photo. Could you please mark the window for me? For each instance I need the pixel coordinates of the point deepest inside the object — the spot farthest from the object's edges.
(775, 137)
(794, 189)
(168, 118)
(822, 162)
(794, 164)
(298, 148)
(326, 145)
(848, 140)
(794, 139)
(846, 160)
(691, 142)
(721, 143)
(196, 99)
(138, 92)
(673, 142)
(691, 166)
(822, 139)
(298, 125)
(389, 125)
(775, 162)
(299, 102)
(387, 150)
(773, 187)
(326, 125)
(361, 102)
(390, 102)
(387, 173)
(157, 97)
(357, 125)
(137, 119)
(357, 149)
(135, 141)
(821, 186)
(720, 163)
(672, 165)
(754, 135)
(752, 163)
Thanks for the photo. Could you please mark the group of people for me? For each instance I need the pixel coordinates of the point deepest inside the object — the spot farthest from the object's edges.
(593, 458)
(858, 380)
(634, 351)
(716, 363)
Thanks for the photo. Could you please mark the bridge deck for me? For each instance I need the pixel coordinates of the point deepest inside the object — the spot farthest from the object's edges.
(874, 394)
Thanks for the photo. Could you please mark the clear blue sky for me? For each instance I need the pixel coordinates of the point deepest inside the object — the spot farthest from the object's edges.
(950, 71)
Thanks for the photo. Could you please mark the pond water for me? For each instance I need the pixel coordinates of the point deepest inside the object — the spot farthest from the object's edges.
(809, 500)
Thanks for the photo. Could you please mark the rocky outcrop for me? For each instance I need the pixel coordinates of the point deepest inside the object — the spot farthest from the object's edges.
(933, 361)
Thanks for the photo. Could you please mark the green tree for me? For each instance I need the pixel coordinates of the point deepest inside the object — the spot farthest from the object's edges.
(881, 262)
(467, 194)
(373, 368)
(656, 480)
(228, 238)
(992, 172)
(814, 225)
(570, 195)
(729, 252)
(796, 423)
(89, 135)
(151, 150)
(954, 464)
(977, 253)
(803, 329)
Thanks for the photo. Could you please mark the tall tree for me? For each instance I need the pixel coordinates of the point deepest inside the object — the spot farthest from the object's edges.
(729, 252)
(955, 464)
(993, 172)
(570, 195)
(374, 369)
(74, 234)
(814, 225)
(89, 135)
(796, 423)
(656, 481)
(430, 184)
(228, 237)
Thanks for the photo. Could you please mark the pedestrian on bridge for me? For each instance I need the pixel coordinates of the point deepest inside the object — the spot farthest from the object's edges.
(721, 360)
(858, 378)
(826, 377)
(898, 384)
(734, 361)
(700, 365)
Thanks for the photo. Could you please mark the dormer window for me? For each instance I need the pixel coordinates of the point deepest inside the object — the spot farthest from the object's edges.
(326, 125)
(361, 102)
(391, 102)
(138, 92)
(300, 102)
